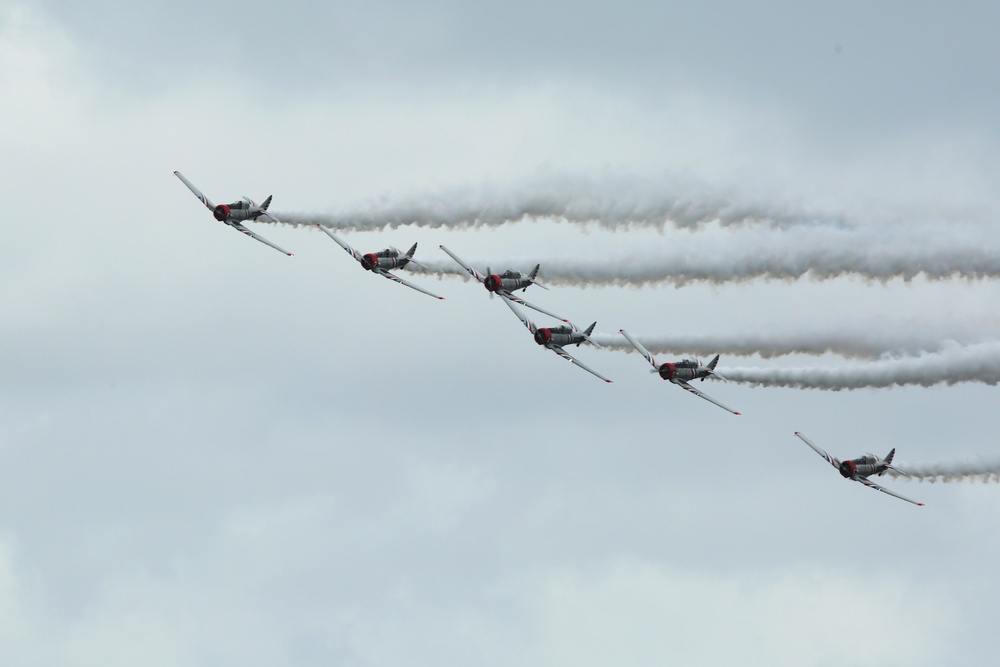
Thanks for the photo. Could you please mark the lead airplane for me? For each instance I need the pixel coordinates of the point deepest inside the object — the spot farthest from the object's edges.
(555, 339)
(504, 284)
(236, 213)
(861, 468)
(681, 372)
(380, 262)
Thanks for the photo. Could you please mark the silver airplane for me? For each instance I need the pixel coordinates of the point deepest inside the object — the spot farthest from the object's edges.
(681, 372)
(236, 213)
(555, 339)
(861, 469)
(380, 262)
(505, 283)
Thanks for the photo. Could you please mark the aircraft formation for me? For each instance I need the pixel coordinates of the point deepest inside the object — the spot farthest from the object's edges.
(680, 373)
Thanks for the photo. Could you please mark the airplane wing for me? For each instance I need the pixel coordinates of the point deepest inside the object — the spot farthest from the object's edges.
(517, 299)
(237, 226)
(472, 272)
(521, 316)
(350, 251)
(873, 485)
(197, 193)
(643, 351)
(829, 459)
(569, 357)
(394, 278)
(687, 387)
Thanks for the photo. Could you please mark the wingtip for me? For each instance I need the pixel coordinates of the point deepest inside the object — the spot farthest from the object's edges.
(441, 298)
(290, 254)
(737, 413)
(610, 381)
(920, 504)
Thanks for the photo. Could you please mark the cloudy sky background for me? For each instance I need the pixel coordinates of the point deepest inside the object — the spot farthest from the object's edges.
(216, 455)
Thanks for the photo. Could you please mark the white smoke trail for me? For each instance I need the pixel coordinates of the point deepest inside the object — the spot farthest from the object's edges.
(949, 472)
(973, 363)
(862, 341)
(608, 202)
(719, 256)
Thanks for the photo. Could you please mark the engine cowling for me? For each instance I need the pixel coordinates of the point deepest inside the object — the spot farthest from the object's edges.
(543, 336)
(369, 261)
(221, 212)
(667, 371)
(848, 468)
(493, 282)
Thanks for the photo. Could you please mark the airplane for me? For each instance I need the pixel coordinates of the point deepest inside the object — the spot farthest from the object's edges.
(380, 262)
(555, 339)
(505, 283)
(681, 372)
(860, 469)
(236, 213)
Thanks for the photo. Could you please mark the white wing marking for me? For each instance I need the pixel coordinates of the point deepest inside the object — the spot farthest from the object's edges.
(873, 485)
(517, 299)
(569, 357)
(829, 459)
(241, 228)
(350, 251)
(472, 272)
(684, 385)
(197, 193)
(638, 346)
(399, 280)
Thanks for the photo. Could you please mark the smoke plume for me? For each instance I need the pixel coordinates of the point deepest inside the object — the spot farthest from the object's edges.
(868, 340)
(718, 256)
(973, 363)
(609, 202)
(949, 472)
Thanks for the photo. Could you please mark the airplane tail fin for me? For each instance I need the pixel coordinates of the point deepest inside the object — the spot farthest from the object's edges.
(533, 277)
(586, 336)
(887, 461)
(711, 369)
(408, 257)
(267, 202)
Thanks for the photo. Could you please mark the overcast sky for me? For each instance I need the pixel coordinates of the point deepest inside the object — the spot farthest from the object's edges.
(212, 454)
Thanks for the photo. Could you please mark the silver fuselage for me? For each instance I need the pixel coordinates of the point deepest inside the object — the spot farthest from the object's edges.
(683, 370)
(558, 336)
(384, 259)
(508, 281)
(238, 211)
(865, 466)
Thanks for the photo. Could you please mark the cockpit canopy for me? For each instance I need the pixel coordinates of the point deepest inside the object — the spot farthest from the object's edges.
(688, 362)
(388, 252)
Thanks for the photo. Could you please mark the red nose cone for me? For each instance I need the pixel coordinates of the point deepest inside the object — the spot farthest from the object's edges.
(667, 371)
(543, 336)
(492, 282)
(221, 212)
(848, 468)
(368, 262)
